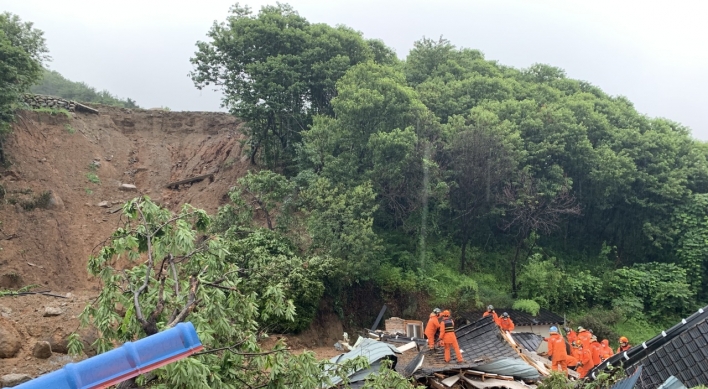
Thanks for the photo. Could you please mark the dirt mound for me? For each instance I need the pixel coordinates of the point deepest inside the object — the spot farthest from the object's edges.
(62, 167)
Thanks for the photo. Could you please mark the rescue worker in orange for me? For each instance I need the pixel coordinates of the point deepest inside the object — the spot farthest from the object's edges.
(606, 351)
(584, 358)
(595, 350)
(448, 337)
(505, 323)
(490, 312)
(432, 327)
(584, 337)
(571, 335)
(624, 345)
(557, 352)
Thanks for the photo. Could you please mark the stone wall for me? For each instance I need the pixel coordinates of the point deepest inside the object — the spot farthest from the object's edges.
(51, 102)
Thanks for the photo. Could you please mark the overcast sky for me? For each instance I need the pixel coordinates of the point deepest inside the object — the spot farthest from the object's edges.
(653, 52)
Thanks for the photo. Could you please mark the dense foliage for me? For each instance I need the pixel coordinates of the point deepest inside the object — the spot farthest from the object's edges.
(54, 84)
(482, 183)
(22, 53)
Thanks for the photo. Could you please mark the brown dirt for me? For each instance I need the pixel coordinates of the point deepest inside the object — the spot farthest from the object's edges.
(50, 247)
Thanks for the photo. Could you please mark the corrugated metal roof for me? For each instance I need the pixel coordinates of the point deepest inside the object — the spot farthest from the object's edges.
(521, 318)
(371, 349)
(672, 383)
(480, 342)
(528, 340)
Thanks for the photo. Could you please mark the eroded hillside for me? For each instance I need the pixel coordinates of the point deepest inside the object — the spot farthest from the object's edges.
(82, 160)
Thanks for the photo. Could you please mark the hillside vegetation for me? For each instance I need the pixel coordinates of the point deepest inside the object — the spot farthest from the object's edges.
(454, 177)
(444, 179)
(54, 84)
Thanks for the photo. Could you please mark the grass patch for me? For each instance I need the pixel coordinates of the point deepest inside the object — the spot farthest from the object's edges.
(69, 129)
(93, 178)
(88, 191)
(39, 201)
(53, 111)
(637, 330)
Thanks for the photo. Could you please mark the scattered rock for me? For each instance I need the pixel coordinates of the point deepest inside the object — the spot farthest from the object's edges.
(10, 380)
(104, 204)
(42, 350)
(95, 164)
(5, 311)
(128, 187)
(58, 342)
(52, 311)
(55, 202)
(9, 339)
(69, 295)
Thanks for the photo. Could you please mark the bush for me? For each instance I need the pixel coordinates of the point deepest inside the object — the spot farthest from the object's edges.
(528, 306)
(602, 323)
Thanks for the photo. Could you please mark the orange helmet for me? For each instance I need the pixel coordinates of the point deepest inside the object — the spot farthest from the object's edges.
(445, 313)
(577, 343)
(624, 339)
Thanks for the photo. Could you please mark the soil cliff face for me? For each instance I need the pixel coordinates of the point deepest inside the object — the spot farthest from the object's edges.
(62, 167)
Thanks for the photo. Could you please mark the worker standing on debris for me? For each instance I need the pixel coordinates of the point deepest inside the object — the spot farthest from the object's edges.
(432, 327)
(505, 323)
(624, 345)
(448, 337)
(490, 312)
(557, 352)
(584, 358)
(606, 351)
(584, 337)
(595, 351)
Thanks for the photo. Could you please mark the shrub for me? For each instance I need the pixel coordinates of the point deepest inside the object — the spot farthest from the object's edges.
(528, 306)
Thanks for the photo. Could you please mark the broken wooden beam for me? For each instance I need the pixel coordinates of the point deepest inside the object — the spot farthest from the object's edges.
(85, 108)
(176, 184)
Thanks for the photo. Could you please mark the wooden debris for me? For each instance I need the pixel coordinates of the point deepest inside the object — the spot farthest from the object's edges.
(176, 184)
(84, 108)
(436, 384)
(45, 293)
(452, 380)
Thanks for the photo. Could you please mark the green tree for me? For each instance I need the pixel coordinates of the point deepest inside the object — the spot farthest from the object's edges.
(22, 53)
(277, 70)
(227, 288)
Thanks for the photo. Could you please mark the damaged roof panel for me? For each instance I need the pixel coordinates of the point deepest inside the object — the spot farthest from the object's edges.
(480, 342)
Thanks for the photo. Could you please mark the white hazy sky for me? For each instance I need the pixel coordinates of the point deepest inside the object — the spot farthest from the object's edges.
(653, 52)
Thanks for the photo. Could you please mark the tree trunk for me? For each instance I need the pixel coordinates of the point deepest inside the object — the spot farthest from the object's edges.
(514, 291)
(463, 256)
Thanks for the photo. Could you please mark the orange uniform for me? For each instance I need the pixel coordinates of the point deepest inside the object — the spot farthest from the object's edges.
(493, 314)
(584, 337)
(506, 324)
(557, 352)
(595, 351)
(584, 361)
(605, 351)
(621, 349)
(572, 336)
(449, 339)
(431, 328)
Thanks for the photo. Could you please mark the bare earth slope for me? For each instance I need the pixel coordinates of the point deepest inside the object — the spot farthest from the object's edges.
(54, 153)
(50, 246)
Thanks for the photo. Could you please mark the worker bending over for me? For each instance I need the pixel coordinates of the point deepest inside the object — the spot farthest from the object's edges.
(557, 352)
(448, 337)
(505, 323)
(490, 312)
(584, 358)
(432, 327)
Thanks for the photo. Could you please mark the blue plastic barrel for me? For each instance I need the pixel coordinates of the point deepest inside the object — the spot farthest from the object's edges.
(122, 363)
